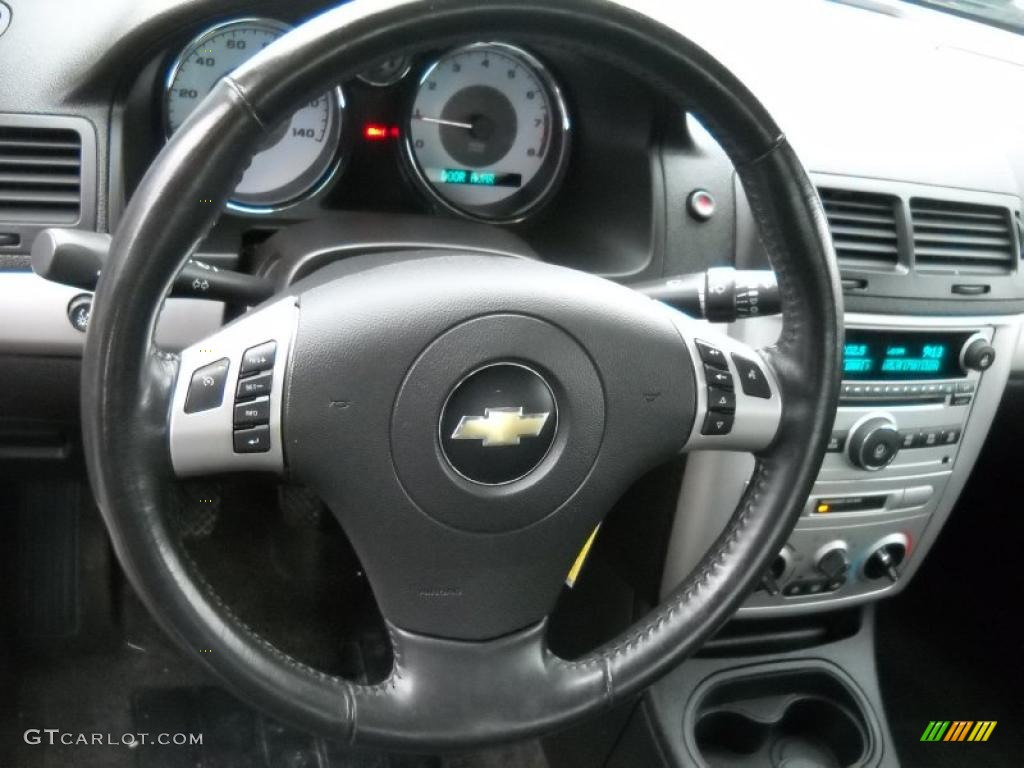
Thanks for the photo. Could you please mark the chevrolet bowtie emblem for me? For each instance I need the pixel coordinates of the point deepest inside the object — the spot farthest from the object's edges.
(500, 426)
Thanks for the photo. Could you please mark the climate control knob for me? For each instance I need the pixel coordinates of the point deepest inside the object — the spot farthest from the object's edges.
(874, 443)
(832, 561)
(886, 557)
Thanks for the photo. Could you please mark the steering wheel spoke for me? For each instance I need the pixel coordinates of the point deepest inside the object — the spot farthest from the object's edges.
(431, 579)
(227, 401)
(437, 682)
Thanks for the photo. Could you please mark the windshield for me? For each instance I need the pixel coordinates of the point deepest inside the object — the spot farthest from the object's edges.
(1008, 14)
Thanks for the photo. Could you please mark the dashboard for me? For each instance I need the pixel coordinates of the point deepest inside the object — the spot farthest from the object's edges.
(578, 162)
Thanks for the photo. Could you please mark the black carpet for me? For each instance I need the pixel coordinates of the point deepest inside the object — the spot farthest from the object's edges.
(81, 655)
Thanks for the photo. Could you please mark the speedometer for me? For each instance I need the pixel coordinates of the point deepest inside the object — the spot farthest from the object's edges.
(488, 132)
(299, 156)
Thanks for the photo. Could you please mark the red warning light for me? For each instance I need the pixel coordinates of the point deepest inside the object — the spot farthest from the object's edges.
(379, 132)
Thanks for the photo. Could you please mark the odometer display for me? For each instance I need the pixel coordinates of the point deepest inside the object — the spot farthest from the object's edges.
(481, 178)
(488, 132)
(298, 156)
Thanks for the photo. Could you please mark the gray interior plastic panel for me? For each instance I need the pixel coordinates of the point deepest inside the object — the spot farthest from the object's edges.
(34, 318)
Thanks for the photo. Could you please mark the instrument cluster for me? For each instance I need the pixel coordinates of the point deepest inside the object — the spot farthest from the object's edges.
(481, 131)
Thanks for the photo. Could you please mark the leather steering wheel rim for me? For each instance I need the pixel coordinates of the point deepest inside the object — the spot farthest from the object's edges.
(127, 382)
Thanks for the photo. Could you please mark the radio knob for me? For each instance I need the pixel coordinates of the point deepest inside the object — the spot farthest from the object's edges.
(875, 443)
(977, 355)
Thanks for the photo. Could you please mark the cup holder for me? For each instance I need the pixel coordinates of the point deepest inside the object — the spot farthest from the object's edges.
(796, 718)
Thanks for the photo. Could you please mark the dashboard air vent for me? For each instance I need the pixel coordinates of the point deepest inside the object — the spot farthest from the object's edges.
(40, 174)
(863, 227)
(962, 237)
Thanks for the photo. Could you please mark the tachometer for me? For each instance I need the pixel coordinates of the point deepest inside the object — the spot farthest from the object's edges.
(299, 157)
(488, 134)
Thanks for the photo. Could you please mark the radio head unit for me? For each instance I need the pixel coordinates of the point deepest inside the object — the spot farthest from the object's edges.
(903, 355)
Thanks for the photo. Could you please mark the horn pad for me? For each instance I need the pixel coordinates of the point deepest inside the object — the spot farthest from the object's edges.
(484, 418)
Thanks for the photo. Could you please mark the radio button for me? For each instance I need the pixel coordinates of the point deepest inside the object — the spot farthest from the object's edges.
(908, 438)
(836, 442)
(929, 438)
(965, 386)
(960, 400)
(949, 436)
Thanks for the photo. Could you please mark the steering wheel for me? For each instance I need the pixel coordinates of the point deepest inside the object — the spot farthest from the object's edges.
(468, 418)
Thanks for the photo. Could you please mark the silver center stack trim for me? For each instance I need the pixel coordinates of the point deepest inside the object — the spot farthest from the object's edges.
(922, 488)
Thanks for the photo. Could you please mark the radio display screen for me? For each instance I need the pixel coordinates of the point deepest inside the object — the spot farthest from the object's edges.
(878, 355)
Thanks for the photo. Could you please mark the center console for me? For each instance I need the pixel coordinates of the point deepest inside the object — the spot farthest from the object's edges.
(932, 276)
(796, 681)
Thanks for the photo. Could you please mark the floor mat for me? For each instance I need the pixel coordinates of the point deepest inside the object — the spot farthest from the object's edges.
(86, 659)
(143, 684)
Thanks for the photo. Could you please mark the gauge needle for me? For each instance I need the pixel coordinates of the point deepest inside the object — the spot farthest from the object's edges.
(439, 121)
